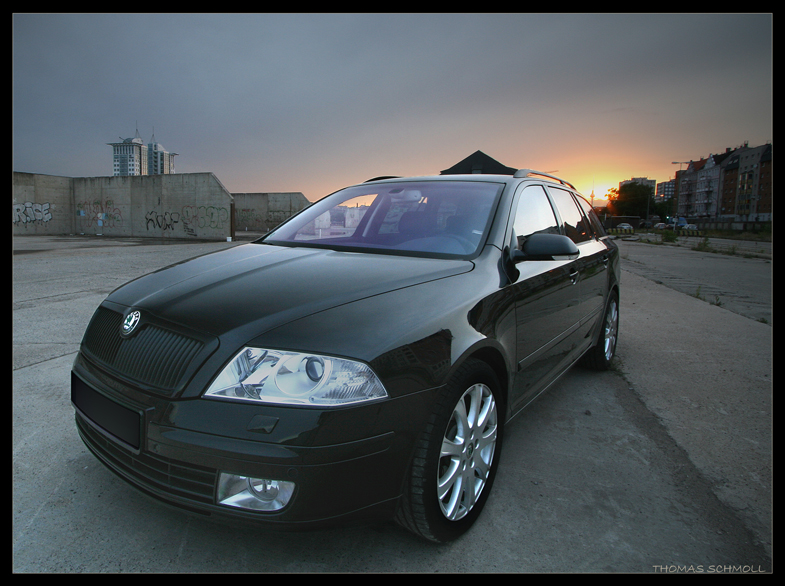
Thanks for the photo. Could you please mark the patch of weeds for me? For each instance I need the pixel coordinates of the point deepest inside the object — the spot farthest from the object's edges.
(703, 245)
(699, 295)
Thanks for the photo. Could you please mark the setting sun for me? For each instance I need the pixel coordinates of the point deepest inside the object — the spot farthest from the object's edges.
(594, 191)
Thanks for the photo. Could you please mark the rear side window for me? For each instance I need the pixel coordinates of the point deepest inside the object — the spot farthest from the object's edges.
(593, 219)
(573, 221)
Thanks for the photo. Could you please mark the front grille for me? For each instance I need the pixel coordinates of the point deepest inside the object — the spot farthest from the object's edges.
(153, 357)
(150, 471)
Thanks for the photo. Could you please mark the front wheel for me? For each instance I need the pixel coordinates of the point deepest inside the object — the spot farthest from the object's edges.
(456, 457)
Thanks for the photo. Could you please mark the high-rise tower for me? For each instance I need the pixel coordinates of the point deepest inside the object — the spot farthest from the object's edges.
(132, 157)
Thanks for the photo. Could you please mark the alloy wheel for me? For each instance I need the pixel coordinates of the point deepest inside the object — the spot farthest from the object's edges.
(611, 329)
(467, 452)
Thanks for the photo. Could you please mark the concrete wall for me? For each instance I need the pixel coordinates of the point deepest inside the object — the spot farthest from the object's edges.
(261, 212)
(42, 204)
(731, 225)
(184, 205)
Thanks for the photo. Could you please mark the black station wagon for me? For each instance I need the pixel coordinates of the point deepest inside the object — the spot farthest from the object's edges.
(359, 361)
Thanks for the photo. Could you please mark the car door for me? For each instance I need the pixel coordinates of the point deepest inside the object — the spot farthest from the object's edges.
(591, 264)
(546, 298)
(594, 288)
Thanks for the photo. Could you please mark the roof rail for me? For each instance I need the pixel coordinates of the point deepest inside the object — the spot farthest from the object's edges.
(382, 177)
(526, 172)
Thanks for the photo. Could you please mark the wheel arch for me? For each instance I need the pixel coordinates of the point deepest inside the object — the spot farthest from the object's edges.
(494, 358)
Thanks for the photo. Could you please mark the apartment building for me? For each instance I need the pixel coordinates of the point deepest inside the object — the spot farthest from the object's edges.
(131, 156)
(730, 186)
(747, 184)
(642, 181)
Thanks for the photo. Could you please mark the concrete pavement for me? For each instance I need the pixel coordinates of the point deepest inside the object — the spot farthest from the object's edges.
(706, 373)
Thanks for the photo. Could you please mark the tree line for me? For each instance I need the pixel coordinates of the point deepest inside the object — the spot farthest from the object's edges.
(636, 199)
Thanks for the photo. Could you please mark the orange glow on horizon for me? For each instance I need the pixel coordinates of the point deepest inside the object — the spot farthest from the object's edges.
(599, 188)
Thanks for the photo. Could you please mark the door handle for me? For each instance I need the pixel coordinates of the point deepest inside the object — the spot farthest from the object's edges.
(574, 277)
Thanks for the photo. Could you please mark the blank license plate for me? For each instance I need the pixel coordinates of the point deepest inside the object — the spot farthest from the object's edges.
(118, 421)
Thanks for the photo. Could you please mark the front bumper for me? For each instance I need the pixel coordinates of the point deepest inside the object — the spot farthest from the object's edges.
(175, 450)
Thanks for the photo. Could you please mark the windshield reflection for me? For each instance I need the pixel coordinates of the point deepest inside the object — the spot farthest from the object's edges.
(423, 218)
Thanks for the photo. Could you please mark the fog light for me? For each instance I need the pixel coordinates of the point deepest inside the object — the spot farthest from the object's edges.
(255, 494)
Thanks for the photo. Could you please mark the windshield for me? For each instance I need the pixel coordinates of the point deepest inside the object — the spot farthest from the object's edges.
(422, 218)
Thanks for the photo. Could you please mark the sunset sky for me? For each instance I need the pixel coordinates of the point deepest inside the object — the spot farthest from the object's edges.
(315, 102)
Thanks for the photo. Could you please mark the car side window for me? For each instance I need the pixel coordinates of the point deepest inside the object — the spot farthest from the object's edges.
(534, 214)
(599, 231)
(574, 223)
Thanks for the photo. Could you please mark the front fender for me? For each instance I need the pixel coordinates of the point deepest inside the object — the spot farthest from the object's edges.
(412, 337)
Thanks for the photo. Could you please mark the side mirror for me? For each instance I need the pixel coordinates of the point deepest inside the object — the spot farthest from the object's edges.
(546, 247)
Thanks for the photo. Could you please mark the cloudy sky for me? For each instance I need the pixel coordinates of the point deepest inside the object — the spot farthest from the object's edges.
(314, 102)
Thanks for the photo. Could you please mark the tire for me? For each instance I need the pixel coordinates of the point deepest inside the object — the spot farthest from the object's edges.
(455, 458)
(599, 357)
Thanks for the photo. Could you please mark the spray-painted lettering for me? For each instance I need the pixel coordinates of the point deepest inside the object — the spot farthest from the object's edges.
(249, 217)
(99, 213)
(29, 212)
(165, 221)
(205, 216)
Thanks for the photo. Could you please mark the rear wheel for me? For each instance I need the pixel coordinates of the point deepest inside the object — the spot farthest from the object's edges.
(456, 457)
(599, 357)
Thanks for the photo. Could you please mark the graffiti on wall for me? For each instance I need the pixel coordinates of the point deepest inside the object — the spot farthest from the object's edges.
(105, 214)
(165, 221)
(29, 212)
(191, 218)
(99, 213)
(249, 217)
(205, 216)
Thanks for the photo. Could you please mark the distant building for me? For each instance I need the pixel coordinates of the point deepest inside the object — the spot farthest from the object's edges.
(699, 189)
(129, 156)
(159, 160)
(745, 190)
(642, 181)
(132, 157)
(665, 191)
(666, 194)
(479, 163)
(732, 186)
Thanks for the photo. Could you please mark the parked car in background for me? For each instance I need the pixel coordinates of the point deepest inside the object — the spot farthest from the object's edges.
(319, 375)
(660, 226)
(689, 227)
(624, 226)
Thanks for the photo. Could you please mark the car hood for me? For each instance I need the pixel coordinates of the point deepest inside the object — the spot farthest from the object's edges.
(249, 289)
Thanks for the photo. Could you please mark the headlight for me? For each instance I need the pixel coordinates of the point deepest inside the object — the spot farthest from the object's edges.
(293, 378)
